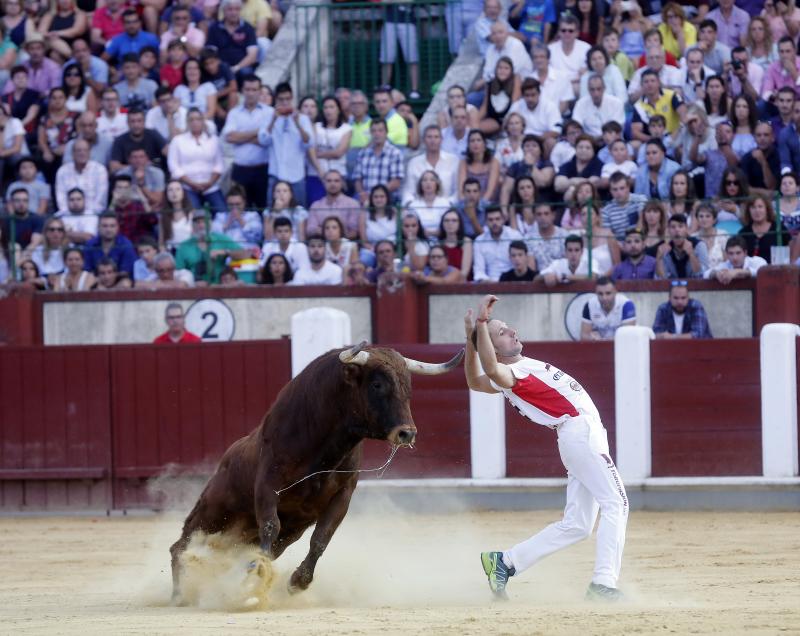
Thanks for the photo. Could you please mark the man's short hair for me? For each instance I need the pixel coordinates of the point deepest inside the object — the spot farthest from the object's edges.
(386, 90)
(573, 238)
(471, 181)
(651, 32)
(283, 87)
(658, 120)
(677, 218)
(163, 90)
(787, 90)
(108, 214)
(649, 71)
(610, 31)
(130, 12)
(568, 18)
(162, 257)
(316, 236)
(282, 221)
(252, 77)
(518, 245)
(492, 209)
(72, 191)
(27, 194)
(617, 177)
(120, 178)
(384, 242)
(135, 111)
(736, 241)
(130, 57)
(35, 165)
(147, 241)
(173, 305)
(709, 24)
(378, 121)
(787, 38)
(530, 83)
(632, 230)
(603, 280)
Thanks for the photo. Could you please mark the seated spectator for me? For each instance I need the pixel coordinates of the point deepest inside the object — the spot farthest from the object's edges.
(319, 271)
(456, 244)
(144, 266)
(781, 72)
(542, 117)
(584, 165)
(762, 164)
(333, 135)
(379, 223)
(43, 73)
(532, 165)
(653, 220)
(620, 162)
(137, 136)
(655, 100)
(32, 182)
(81, 225)
(146, 177)
(195, 158)
(135, 91)
(108, 277)
(611, 132)
(500, 92)
(380, 163)
(520, 268)
(479, 164)
(176, 327)
(243, 227)
(170, 75)
(86, 174)
(573, 267)
(204, 247)
(682, 196)
(234, 38)
(443, 163)
(656, 64)
(583, 193)
(599, 64)
(715, 53)
(457, 98)
(175, 224)
(27, 225)
(99, 144)
(30, 277)
(707, 231)
(738, 263)
(438, 271)
(266, 18)
(74, 277)
(606, 311)
(111, 121)
(132, 210)
(760, 230)
(545, 240)
(196, 15)
(338, 248)
(568, 53)
(624, 209)
(166, 275)
(384, 261)
(491, 256)
(49, 254)
(285, 206)
(617, 57)
(182, 29)
(521, 211)
(56, 128)
(472, 209)
(359, 120)
(148, 60)
(107, 22)
(454, 136)
(132, 40)
(80, 96)
(509, 149)
(415, 244)
(276, 271)
(637, 265)
(286, 245)
(734, 190)
(684, 256)
(334, 203)
(553, 82)
(654, 176)
(429, 204)
(604, 246)
(168, 116)
(25, 103)
(228, 278)
(682, 317)
(743, 119)
(193, 93)
(598, 108)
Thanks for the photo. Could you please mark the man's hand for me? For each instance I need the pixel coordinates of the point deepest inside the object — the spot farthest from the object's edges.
(485, 308)
(688, 248)
(663, 249)
(468, 324)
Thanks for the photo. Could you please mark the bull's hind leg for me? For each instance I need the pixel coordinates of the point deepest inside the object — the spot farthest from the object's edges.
(327, 524)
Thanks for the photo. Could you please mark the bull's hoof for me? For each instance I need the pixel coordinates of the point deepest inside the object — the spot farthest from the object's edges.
(177, 599)
(300, 581)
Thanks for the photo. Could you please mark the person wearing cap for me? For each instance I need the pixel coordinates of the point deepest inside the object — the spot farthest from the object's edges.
(43, 73)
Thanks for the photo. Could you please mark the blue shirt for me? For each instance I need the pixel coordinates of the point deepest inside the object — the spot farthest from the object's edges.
(626, 270)
(122, 253)
(123, 44)
(789, 149)
(285, 146)
(98, 69)
(232, 47)
(695, 320)
(535, 14)
(642, 184)
(240, 119)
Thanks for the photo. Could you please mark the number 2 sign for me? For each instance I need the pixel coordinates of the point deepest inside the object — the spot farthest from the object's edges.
(211, 319)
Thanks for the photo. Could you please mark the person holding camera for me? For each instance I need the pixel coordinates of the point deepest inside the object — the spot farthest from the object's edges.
(745, 77)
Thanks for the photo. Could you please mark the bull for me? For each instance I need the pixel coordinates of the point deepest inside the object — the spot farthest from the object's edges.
(317, 423)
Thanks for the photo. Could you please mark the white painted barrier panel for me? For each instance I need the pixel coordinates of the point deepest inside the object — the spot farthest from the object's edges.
(779, 399)
(487, 439)
(632, 400)
(315, 331)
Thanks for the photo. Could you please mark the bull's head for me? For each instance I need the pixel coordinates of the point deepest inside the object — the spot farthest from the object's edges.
(384, 377)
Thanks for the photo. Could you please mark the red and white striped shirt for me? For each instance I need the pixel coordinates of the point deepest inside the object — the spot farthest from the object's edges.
(547, 395)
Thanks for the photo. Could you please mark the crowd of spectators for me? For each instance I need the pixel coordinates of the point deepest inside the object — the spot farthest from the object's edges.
(599, 140)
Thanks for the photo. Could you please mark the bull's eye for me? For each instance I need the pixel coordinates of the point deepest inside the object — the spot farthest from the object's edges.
(376, 385)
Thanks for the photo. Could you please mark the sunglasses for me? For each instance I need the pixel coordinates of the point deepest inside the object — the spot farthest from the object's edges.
(736, 183)
(678, 283)
(567, 30)
(55, 229)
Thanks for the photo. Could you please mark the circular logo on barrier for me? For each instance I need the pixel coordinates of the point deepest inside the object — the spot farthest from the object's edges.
(211, 319)
(574, 313)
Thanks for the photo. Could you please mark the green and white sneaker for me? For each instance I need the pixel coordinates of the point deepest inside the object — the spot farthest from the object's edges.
(603, 594)
(497, 572)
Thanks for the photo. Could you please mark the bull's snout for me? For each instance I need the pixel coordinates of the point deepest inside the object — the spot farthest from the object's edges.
(402, 436)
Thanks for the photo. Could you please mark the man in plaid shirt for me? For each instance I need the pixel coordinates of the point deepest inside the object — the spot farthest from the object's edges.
(380, 163)
(681, 317)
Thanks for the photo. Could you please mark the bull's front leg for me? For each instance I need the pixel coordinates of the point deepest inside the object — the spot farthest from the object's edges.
(269, 526)
(327, 524)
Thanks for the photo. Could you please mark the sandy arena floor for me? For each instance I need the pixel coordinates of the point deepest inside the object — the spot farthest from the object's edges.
(391, 573)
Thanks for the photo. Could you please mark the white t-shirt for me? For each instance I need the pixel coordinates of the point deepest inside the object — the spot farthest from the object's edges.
(429, 215)
(571, 63)
(560, 267)
(296, 253)
(113, 127)
(544, 118)
(197, 98)
(79, 222)
(628, 168)
(678, 318)
(328, 274)
(13, 128)
(606, 324)
(751, 264)
(329, 139)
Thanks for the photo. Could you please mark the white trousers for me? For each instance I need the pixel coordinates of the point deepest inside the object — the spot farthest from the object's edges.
(592, 484)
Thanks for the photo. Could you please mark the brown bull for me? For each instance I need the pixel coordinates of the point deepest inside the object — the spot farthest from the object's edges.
(317, 423)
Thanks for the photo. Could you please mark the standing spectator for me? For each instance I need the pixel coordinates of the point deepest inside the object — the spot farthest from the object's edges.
(400, 23)
(84, 173)
(545, 239)
(43, 73)
(568, 53)
(107, 22)
(396, 126)
(638, 265)
(319, 271)
(111, 121)
(235, 39)
(81, 226)
(654, 177)
(109, 244)
(29, 180)
(491, 257)
(176, 327)
(443, 163)
(205, 253)
(56, 128)
(333, 135)
(479, 164)
(238, 224)
(731, 23)
(286, 245)
(137, 136)
(146, 177)
(380, 163)
(287, 138)
(133, 213)
(606, 311)
(584, 165)
(99, 144)
(334, 203)
(132, 40)
(573, 267)
(241, 130)
(684, 256)
(195, 158)
(454, 137)
(135, 91)
(738, 263)
(80, 96)
(760, 230)
(520, 268)
(682, 317)
(598, 108)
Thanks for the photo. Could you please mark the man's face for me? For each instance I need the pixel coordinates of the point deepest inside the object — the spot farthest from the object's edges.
(283, 103)
(494, 220)
(136, 123)
(382, 103)
(519, 259)
(655, 59)
(764, 137)
(378, 133)
(679, 298)
(573, 252)
(492, 9)
(147, 253)
(358, 106)
(540, 59)
(110, 103)
(138, 159)
(251, 91)
(596, 90)
(122, 191)
(531, 97)
(80, 152)
(708, 35)
(131, 71)
(499, 35)
(568, 33)
(584, 150)
(106, 275)
(316, 251)
(109, 228)
(785, 102)
(232, 12)
(333, 183)
(165, 270)
(677, 231)
(433, 140)
(724, 132)
(36, 52)
(650, 85)
(20, 201)
(634, 245)
(544, 216)
(199, 227)
(87, 127)
(740, 56)
(27, 171)
(76, 203)
(620, 190)
(459, 120)
(80, 51)
(619, 152)
(385, 256)
(283, 233)
(472, 193)
(175, 320)
(606, 295)
(504, 339)
(786, 51)
(736, 256)
(795, 114)
(132, 25)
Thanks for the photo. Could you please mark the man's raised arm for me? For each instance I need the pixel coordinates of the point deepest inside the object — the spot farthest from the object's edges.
(500, 373)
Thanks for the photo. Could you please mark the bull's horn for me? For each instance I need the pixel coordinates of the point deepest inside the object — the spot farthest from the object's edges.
(429, 368)
(355, 355)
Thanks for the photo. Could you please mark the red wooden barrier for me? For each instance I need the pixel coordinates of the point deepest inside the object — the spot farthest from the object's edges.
(706, 400)
(531, 450)
(55, 437)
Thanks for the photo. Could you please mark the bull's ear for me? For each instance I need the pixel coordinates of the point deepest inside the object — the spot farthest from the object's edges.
(352, 373)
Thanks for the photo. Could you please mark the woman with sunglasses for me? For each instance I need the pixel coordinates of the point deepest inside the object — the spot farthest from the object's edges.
(733, 191)
(80, 96)
(49, 255)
